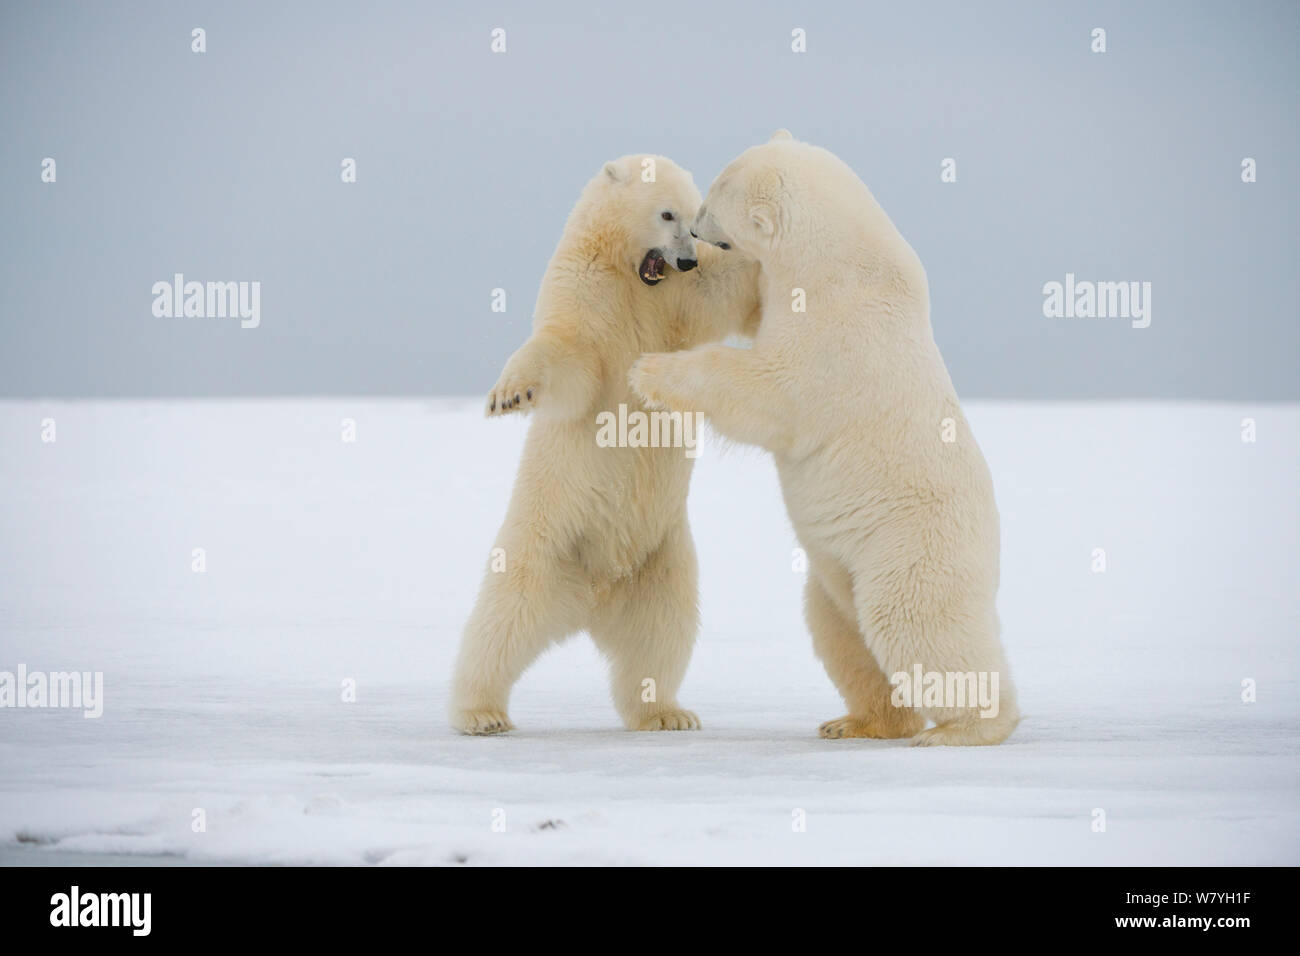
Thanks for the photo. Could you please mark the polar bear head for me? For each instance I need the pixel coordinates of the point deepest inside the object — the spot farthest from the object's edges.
(746, 205)
(749, 206)
(645, 205)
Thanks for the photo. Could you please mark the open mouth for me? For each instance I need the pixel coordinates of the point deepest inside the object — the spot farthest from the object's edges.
(652, 267)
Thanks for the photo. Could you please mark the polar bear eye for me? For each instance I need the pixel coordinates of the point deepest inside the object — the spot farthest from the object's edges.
(666, 216)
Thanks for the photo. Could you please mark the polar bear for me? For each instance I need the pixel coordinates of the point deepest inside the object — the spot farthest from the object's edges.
(595, 537)
(885, 486)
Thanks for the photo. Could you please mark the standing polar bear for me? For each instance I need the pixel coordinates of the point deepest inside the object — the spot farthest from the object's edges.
(884, 483)
(595, 537)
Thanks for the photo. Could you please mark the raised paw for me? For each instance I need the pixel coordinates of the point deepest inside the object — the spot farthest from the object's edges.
(671, 720)
(481, 722)
(513, 395)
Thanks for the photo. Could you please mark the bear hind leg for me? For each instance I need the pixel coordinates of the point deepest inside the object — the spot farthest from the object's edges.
(855, 673)
(518, 614)
(646, 629)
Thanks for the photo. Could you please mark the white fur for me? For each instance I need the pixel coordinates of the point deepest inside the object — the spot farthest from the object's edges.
(851, 397)
(596, 538)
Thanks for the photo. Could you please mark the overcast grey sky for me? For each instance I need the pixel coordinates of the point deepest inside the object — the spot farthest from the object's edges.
(225, 165)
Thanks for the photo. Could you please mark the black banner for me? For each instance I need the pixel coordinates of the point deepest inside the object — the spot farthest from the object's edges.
(237, 904)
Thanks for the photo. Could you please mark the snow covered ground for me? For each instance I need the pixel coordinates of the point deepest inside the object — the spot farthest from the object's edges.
(328, 561)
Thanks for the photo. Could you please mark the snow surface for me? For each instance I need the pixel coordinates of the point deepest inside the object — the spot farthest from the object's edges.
(328, 560)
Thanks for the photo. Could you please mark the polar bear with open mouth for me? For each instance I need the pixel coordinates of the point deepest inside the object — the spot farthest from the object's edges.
(596, 537)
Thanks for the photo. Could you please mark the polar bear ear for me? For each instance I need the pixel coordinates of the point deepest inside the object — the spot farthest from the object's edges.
(613, 172)
(780, 135)
(763, 217)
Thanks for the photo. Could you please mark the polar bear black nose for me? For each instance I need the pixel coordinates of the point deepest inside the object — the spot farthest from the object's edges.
(686, 265)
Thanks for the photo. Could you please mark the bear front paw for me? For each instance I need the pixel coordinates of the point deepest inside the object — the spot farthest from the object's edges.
(513, 395)
(646, 378)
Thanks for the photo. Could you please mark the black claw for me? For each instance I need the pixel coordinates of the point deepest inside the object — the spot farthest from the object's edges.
(530, 394)
(516, 398)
